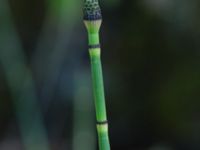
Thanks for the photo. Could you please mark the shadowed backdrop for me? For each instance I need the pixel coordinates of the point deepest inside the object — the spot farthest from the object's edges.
(151, 63)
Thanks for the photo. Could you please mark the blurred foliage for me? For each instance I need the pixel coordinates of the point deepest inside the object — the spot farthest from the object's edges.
(151, 61)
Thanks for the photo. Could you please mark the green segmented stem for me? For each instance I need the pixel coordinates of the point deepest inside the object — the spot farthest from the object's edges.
(98, 86)
(92, 20)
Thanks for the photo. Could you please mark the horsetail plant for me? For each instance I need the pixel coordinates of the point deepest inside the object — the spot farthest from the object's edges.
(93, 20)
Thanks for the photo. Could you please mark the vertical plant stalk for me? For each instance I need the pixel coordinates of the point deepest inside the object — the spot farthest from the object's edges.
(93, 20)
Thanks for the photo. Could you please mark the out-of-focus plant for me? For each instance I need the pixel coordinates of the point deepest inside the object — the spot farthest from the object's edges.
(83, 112)
(21, 84)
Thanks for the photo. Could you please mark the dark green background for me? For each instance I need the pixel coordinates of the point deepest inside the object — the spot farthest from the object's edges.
(151, 62)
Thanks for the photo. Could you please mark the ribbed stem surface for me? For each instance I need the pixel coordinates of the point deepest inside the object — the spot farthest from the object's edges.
(98, 88)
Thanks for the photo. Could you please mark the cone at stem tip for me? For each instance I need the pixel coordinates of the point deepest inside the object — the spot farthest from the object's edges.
(92, 10)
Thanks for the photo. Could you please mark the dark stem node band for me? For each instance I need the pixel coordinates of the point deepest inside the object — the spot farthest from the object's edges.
(92, 10)
(102, 122)
(94, 46)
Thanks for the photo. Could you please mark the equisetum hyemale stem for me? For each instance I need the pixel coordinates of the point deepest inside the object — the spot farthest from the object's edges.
(93, 20)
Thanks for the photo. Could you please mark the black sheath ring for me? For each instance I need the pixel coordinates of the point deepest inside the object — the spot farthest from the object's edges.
(94, 46)
(102, 122)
